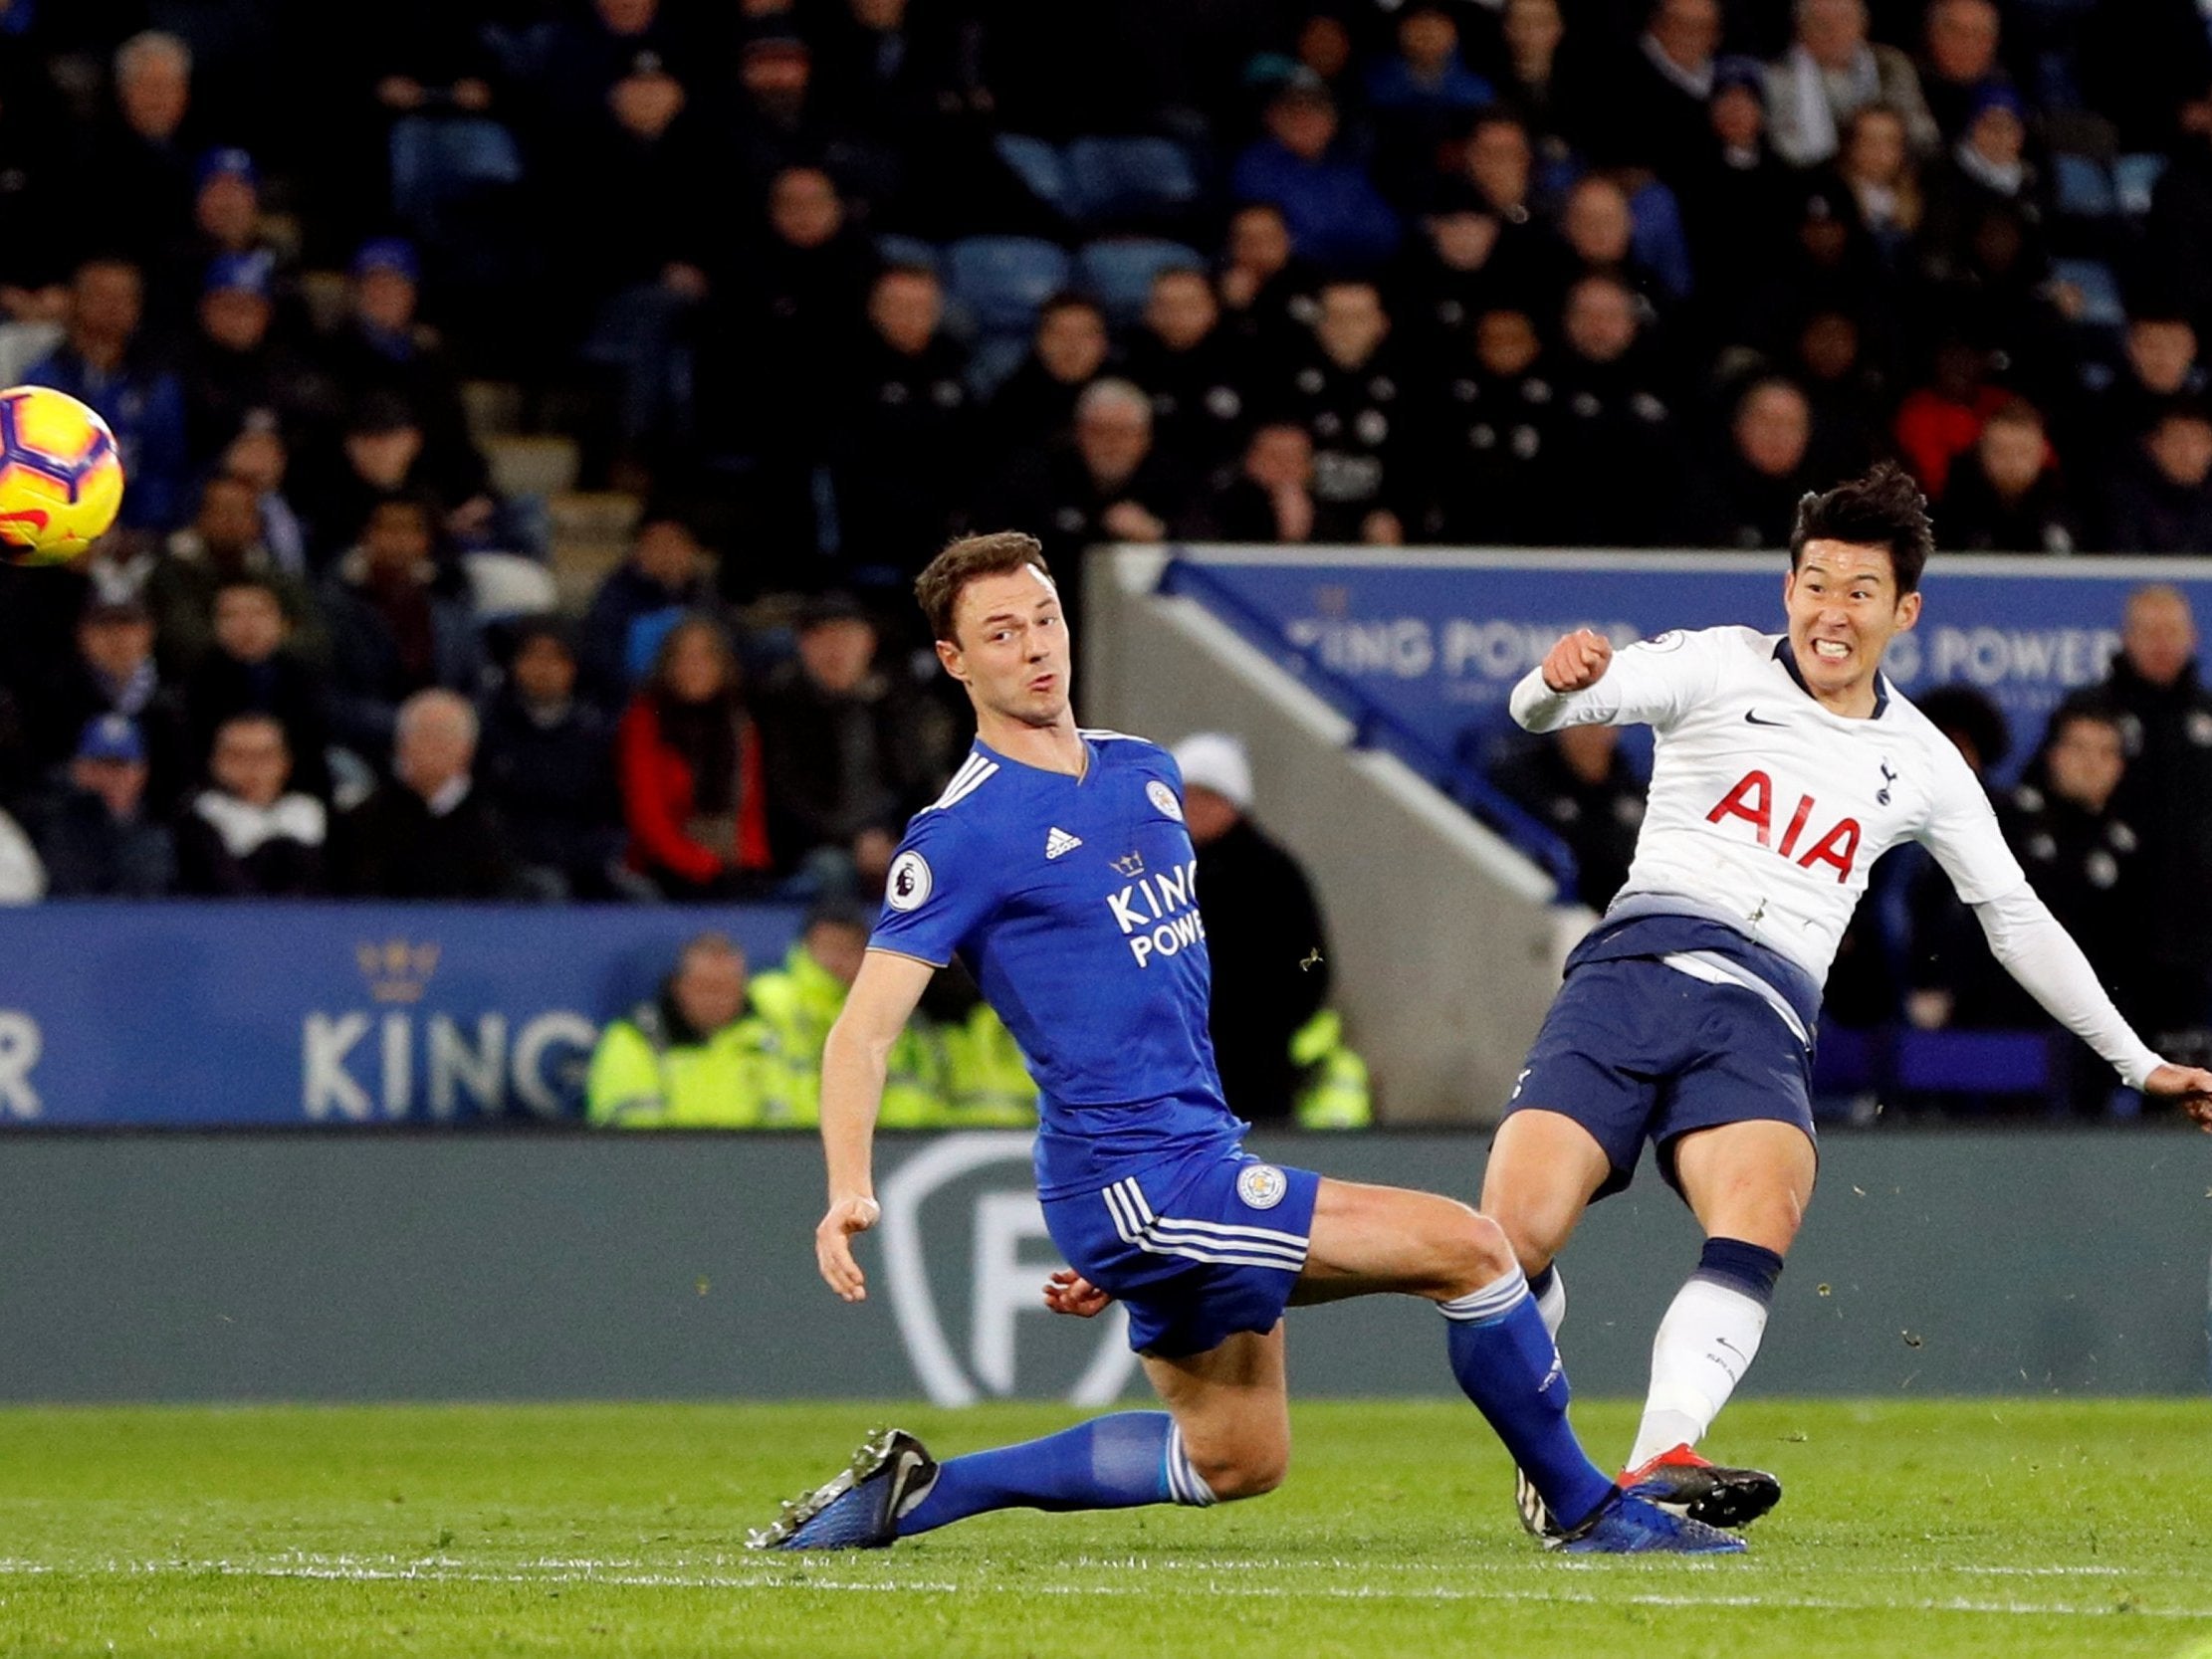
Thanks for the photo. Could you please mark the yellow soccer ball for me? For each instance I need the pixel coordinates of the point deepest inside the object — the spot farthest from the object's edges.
(61, 478)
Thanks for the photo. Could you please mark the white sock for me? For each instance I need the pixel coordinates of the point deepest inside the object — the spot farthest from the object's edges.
(1551, 1300)
(1704, 1346)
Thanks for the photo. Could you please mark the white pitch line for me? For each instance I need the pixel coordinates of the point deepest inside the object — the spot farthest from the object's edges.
(445, 1571)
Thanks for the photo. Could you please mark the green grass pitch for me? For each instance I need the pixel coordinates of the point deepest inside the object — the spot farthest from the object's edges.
(1929, 1528)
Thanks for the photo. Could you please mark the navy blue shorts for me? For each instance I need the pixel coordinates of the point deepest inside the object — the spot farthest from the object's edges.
(1633, 1051)
(1196, 1251)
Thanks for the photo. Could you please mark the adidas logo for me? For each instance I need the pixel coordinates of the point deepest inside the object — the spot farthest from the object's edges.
(1059, 841)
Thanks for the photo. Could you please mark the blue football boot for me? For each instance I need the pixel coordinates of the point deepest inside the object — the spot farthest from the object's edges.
(1634, 1524)
(860, 1508)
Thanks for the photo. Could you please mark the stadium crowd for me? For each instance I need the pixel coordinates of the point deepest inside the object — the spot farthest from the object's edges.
(827, 280)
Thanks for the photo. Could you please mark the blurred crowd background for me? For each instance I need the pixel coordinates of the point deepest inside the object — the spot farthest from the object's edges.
(534, 409)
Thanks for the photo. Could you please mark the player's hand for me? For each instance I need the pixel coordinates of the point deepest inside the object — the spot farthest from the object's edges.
(1578, 660)
(833, 1246)
(2187, 1086)
(1069, 1292)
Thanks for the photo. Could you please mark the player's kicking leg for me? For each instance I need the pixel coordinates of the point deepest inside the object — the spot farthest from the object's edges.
(1226, 1433)
(1544, 1169)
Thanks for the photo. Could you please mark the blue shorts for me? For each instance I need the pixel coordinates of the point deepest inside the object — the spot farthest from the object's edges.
(1634, 1050)
(1196, 1251)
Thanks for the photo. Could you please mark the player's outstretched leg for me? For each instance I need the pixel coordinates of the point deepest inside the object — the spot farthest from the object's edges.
(894, 1489)
(1371, 1238)
(1748, 1183)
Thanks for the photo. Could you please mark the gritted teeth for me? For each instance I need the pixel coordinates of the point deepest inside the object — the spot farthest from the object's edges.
(1835, 650)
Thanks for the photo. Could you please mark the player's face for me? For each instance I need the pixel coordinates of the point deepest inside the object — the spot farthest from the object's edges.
(1011, 647)
(1843, 608)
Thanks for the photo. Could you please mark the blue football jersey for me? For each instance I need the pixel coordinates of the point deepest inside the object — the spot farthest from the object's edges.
(1073, 903)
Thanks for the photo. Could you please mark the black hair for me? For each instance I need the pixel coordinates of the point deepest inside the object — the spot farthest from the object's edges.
(1959, 710)
(1883, 508)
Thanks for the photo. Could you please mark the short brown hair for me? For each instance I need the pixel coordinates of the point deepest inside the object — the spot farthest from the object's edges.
(1001, 553)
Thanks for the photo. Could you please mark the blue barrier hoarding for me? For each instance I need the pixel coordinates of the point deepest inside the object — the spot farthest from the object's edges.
(201, 1014)
(1436, 640)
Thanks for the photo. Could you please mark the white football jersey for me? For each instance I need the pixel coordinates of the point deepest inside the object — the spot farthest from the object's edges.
(1768, 806)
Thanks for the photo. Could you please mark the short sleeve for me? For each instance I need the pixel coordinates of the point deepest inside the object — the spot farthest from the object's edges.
(937, 891)
(1963, 834)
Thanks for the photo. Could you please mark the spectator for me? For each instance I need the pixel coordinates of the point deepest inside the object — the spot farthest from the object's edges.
(2157, 366)
(801, 1001)
(250, 668)
(1613, 425)
(1751, 501)
(2180, 226)
(779, 125)
(259, 456)
(394, 630)
(1264, 933)
(247, 835)
(1270, 498)
(1600, 232)
(1849, 393)
(1194, 374)
(138, 180)
(1987, 171)
(223, 541)
(2005, 494)
(428, 832)
(1943, 420)
(382, 350)
(1532, 31)
(382, 455)
(1350, 392)
(1492, 458)
(1829, 74)
(2161, 502)
(1336, 216)
(1958, 60)
(22, 876)
(1737, 196)
(584, 55)
(2164, 713)
(1877, 167)
(233, 370)
(1266, 287)
(226, 224)
(1650, 111)
(93, 829)
(114, 673)
(664, 579)
(1454, 274)
(689, 765)
(1952, 980)
(1581, 787)
(902, 455)
(846, 761)
(695, 1057)
(2085, 863)
(548, 767)
(1037, 404)
(1419, 92)
(1499, 161)
(1108, 484)
(102, 361)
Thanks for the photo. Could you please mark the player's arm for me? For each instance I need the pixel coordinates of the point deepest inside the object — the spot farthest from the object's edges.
(2037, 950)
(854, 1064)
(1581, 680)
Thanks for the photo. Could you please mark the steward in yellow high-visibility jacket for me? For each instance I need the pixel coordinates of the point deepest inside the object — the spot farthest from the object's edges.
(801, 1000)
(696, 1057)
(1333, 1088)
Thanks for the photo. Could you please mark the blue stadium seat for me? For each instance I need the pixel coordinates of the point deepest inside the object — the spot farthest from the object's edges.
(2099, 290)
(2084, 188)
(893, 249)
(1118, 273)
(1976, 1062)
(1003, 280)
(438, 164)
(1040, 167)
(2134, 177)
(1118, 180)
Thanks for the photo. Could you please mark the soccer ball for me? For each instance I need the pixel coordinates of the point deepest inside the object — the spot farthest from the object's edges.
(61, 480)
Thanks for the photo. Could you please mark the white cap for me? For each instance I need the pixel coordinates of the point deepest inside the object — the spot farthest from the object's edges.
(1215, 760)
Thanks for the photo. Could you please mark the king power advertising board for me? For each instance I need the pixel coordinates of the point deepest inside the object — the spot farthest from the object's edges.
(1438, 639)
(207, 1014)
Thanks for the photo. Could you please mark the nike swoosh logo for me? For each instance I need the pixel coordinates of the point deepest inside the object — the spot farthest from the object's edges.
(1755, 720)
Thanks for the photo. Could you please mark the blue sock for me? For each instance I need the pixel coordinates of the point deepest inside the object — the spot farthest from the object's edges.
(1749, 1268)
(1507, 1364)
(1108, 1463)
